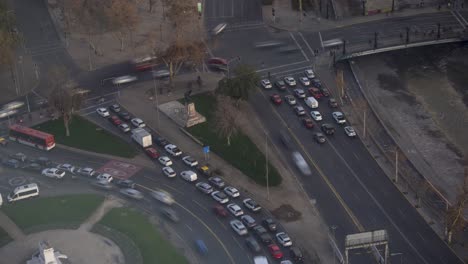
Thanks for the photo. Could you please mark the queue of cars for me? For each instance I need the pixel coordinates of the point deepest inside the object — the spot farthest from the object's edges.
(311, 92)
(224, 196)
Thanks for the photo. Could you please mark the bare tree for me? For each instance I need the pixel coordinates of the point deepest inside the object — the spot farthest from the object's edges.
(455, 220)
(63, 99)
(122, 17)
(183, 14)
(226, 118)
(9, 37)
(151, 4)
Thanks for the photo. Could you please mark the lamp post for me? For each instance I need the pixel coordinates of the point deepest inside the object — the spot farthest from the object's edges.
(375, 39)
(364, 7)
(407, 35)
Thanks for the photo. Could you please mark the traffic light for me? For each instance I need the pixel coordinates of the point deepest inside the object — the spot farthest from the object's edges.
(273, 11)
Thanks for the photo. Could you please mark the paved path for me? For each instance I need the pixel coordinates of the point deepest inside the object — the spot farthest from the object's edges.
(109, 203)
(10, 227)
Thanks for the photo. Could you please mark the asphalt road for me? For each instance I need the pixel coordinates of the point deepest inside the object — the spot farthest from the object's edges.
(233, 12)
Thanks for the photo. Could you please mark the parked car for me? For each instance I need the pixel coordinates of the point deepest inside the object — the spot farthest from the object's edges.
(11, 163)
(66, 167)
(350, 132)
(252, 244)
(339, 118)
(284, 239)
(89, 172)
(231, 191)
(189, 176)
(315, 92)
(137, 122)
(299, 93)
(105, 177)
(125, 184)
(290, 99)
(53, 173)
(220, 211)
(102, 112)
(280, 85)
(204, 170)
(307, 122)
(102, 185)
(234, 209)
(275, 251)
(262, 234)
(124, 115)
(328, 129)
(266, 84)
(44, 161)
(19, 157)
(276, 99)
(332, 103)
(325, 91)
(160, 141)
(316, 115)
(290, 81)
(169, 172)
(316, 83)
(220, 197)
(269, 224)
(162, 196)
(115, 108)
(165, 161)
(238, 227)
(132, 193)
(248, 221)
(190, 161)
(309, 73)
(173, 150)
(296, 255)
(33, 167)
(152, 153)
(251, 205)
(304, 81)
(217, 181)
(124, 128)
(115, 120)
(299, 110)
(204, 187)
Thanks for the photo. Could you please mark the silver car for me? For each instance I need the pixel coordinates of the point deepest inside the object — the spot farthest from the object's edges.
(124, 79)
(132, 193)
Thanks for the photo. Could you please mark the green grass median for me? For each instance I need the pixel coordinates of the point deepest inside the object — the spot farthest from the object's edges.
(134, 225)
(87, 136)
(52, 212)
(242, 153)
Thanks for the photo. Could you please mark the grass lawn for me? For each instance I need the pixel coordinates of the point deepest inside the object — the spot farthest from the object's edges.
(243, 153)
(60, 211)
(153, 248)
(87, 136)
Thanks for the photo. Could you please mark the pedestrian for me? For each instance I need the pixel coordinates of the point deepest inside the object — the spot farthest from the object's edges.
(439, 7)
(199, 82)
(401, 35)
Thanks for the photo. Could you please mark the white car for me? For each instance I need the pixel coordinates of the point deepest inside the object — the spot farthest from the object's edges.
(339, 117)
(299, 110)
(132, 193)
(165, 161)
(66, 167)
(251, 205)
(86, 171)
(239, 227)
(305, 81)
(284, 239)
(220, 197)
(290, 81)
(235, 209)
(301, 163)
(231, 191)
(105, 177)
(299, 93)
(137, 122)
(189, 161)
(189, 176)
(124, 128)
(204, 187)
(124, 79)
(349, 130)
(53, 173)
(173, 150)
(169, 172)
(309, 73)
(290, 99)
(316, 115)
(102, 112)
(162, 196)
(266, 84)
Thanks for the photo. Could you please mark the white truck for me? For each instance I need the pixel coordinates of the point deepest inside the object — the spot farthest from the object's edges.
(142, 137)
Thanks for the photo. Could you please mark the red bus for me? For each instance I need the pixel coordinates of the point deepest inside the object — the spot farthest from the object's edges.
(145, 64)
(32, 137)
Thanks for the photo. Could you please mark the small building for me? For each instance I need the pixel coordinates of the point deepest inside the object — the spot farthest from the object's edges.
(46, 255)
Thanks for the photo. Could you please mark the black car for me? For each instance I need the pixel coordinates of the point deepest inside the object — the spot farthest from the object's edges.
(160, 141)
(328, 129)
(44, 161)
(19, 157)
(125, 116)
(125, 184)
(281, 85)
(296, 255)
(286, 139)
(115, 108)
(325, 91)
(12, 163)
(252, 244)
(269, 224)
(262, 234)
(33, 167)
(316, 83)
(332, 103)
(320, 138)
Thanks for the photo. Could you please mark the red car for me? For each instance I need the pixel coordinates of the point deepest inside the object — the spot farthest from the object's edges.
(275, 251)
(220, 211)
(307, 122)
(276, 99)
(315, 92)
(152, 153)
(115, 120)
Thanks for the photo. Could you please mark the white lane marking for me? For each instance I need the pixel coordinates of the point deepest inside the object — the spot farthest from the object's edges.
(290, 72)
(321, 40)
(201, 206)
(5, 188)
(307, 44)
(461, 17)
(299, 46)
(174, 189)
(458, 19)
(221, 223)
(281, 66)
(105, 95)
(189, 228)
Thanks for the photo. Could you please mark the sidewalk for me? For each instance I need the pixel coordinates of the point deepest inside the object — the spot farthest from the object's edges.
(10, 227)
(310, 225)
(288, 19)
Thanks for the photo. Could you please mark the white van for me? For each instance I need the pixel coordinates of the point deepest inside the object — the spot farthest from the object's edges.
(311, 102)
(189, 176)
(1, 200)
(23, 192)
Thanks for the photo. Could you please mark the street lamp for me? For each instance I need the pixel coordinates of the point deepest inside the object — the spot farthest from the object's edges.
(364, 7)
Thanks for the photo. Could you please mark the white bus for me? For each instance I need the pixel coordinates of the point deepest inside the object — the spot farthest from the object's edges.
(23, 192)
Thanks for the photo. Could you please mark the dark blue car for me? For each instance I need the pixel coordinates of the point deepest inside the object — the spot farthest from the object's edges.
(201, 247)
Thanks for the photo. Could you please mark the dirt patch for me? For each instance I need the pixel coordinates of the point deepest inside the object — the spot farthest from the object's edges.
(286, 213)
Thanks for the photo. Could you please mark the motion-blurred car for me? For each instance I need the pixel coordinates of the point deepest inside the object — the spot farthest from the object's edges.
(124, 79)
(19, 157)
(115, 120)
(125, 184)
(170, 214)
(102, 185)
(301, 163)
(332, 103)
(307, 122)
(262, 234)
(132, 193)
(296, 255)
(162, 196)
(270, 224)
(252, 244)
(220, 211)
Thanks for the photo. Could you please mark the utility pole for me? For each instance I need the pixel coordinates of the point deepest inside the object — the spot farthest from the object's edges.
(375, 39)
(407, 35)
(266, 166)
(438, 30)
(156, 102)
(344, 47)
(300, 11)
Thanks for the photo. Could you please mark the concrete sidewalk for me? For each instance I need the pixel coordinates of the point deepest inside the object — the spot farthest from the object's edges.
(10, 227)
